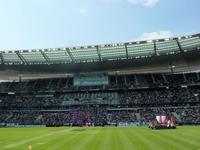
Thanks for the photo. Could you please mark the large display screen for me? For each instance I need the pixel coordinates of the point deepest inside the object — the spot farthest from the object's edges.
(91, 79)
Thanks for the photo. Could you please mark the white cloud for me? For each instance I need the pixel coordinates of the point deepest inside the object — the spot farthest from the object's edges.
(155, 35)
(83, 10)
(147, 3)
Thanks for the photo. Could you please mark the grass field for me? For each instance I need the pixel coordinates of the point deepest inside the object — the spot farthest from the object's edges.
(115, 138)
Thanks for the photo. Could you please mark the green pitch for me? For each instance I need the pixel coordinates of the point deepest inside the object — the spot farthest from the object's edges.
(115, 138)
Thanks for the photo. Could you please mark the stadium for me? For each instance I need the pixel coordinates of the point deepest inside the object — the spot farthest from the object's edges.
(101, 95)
(99, 75)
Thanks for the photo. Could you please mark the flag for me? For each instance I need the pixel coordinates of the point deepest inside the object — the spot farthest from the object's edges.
(163, 118)
(158, 118)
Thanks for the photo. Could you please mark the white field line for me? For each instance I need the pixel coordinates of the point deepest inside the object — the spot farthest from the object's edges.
(93, 133)
(33, 139)
(41, 143)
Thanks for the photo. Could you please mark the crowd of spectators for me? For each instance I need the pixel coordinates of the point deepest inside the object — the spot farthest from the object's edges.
(161, 97)
(131, 98)
(99, 116)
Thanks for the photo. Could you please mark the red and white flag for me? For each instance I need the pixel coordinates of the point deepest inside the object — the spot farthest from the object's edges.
(163, 118)
(158, 118)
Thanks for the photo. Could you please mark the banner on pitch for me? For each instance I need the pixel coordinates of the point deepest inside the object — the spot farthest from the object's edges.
(161, 119)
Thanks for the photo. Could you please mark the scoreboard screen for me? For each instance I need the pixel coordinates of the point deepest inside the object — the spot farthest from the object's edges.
(90, 79)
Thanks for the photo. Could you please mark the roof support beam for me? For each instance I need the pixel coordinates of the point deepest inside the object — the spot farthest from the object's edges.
(21, 58)
(179, 46)
(70, 54)
(98, 52)
(2, 59)
(155, 48)
(125, 44)
(45, 56)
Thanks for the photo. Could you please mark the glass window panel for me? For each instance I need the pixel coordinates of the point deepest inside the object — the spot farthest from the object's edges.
(112, 52)
(166, 47)
(11, 58)
(187, 44)
(135, 50)
(58, 56)
(84, 54)
(33, 57)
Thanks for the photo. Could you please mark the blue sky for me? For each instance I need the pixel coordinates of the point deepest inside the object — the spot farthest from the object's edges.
(29, 24)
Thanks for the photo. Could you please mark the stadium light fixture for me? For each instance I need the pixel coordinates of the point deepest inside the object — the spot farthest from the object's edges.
(183, 86)
(173, 66)
(11, 93)
(117, 71)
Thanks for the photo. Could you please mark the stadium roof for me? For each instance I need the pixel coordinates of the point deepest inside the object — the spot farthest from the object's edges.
(135, 57)
(118, 51)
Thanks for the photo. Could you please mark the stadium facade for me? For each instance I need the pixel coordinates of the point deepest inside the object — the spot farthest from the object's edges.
(113, 84)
